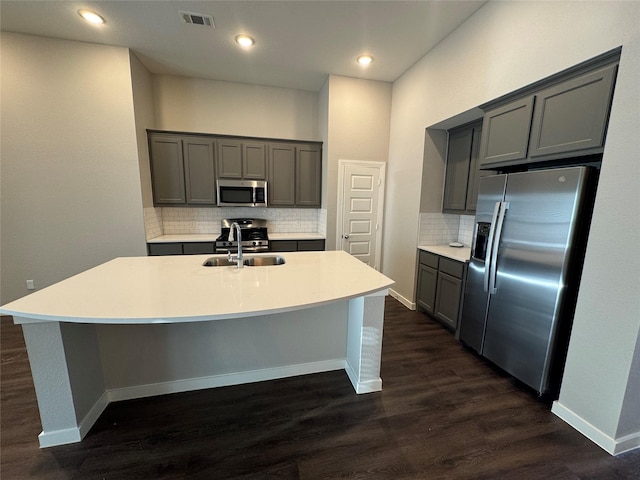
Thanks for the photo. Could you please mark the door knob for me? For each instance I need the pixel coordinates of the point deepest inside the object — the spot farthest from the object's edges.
(346, 236)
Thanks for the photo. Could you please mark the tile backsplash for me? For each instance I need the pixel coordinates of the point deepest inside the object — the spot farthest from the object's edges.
(442, 228)
(181, 221)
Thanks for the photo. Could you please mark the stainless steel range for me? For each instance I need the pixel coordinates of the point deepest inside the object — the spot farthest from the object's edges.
(253, 232)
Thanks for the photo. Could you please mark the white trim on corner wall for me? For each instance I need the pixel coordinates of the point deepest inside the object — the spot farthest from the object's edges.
(613, 446)
(403, 300)
(381, 166)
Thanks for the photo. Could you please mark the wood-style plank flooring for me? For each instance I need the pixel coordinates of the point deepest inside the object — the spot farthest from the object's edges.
(443, 414)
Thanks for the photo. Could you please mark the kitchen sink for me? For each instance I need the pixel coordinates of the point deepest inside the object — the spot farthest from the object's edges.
(218, 262)
(263, 261)
(249, 261)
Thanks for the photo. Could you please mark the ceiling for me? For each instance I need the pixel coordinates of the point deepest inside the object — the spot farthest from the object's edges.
(298, 43)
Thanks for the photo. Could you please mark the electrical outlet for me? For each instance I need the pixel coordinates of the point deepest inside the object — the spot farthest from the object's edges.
(30, 285)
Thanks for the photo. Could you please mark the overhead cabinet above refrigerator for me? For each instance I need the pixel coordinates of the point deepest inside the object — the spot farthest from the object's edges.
(524, 270)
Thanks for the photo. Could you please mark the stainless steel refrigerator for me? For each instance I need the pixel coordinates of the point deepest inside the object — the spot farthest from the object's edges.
(526, 259)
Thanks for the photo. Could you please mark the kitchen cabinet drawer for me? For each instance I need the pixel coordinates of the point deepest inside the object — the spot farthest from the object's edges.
(310, 245)
(198, 248)
(296, 245)
(451, 267)
(429, 259)
(164, 248)
(283, 245)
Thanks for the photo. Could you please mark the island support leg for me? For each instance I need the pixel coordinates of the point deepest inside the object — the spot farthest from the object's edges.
(68, 379)
(364, 342)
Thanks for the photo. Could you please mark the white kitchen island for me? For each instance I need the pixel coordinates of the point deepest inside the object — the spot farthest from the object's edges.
(142, 326)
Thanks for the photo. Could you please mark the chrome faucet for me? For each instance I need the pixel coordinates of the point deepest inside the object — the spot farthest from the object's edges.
(239, 258)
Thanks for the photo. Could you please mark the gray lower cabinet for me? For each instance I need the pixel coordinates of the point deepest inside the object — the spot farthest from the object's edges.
(462, 177)
(242, 159)
(182, 170)
(449, 292)
(296, 245)
(440, 288)
(180, 248)
(427, 282)
(564, 120)
(295, 175)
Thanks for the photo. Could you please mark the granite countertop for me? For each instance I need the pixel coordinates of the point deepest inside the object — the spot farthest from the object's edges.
(211, 237)
(177, 288)
(460, 254)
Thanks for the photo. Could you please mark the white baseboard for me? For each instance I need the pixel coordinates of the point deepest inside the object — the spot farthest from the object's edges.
(613, 446)
(361, 387)
(59, 437)
(73, 435)
(224, 380)
(405, 301)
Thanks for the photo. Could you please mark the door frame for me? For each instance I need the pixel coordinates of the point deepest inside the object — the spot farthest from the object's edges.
(381, 166)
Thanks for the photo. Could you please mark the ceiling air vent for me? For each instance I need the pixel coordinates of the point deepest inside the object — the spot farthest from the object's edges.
(197, 19)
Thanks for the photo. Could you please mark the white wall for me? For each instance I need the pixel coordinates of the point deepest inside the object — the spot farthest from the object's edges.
(208, 106)
(70, 187)
(505, 46)
(145, 118)
(358, 116)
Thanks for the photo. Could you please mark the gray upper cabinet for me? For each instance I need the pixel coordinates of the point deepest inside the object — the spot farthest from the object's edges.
(566, 119)
(254, 161)
(167, 170)
(185, 167)
(242, 159)
(505, 133)
(474, 171)
(182, 170)
(295, 175)
(308, 175)
(462, 172)
(572, 116)
(199, 171)
(282, 175)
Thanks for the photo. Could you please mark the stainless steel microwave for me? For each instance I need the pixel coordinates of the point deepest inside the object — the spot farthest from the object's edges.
(242, 193)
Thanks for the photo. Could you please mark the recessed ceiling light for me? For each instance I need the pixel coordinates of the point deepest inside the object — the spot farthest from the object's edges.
(364, 59)
(91, 17)
(245, 40)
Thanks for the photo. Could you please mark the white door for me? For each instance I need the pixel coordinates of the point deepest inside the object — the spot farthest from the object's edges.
(360, 210)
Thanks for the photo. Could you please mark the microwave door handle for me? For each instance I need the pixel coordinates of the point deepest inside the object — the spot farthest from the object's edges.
(488, 262)
(496, 244)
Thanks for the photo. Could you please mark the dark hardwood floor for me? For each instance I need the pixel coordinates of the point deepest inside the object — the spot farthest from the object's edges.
(443, 414)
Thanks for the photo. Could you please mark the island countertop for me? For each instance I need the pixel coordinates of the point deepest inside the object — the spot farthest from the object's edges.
(170, 289)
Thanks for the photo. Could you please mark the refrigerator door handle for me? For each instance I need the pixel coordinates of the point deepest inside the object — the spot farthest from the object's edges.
(488, 262)
(496, 244)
